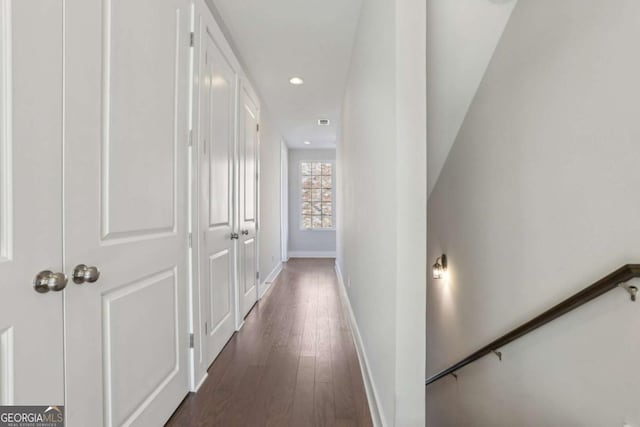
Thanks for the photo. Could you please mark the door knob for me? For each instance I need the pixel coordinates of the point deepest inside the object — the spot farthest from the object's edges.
(234, 236)
(47, 281)
(245, 232)
(82, 274)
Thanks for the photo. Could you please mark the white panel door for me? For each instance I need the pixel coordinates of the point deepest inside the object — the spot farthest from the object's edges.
(247, 159)
(31, 352)
(214, 127)
(126, 138)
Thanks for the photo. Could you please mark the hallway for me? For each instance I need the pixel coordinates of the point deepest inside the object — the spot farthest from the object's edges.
(222, 181)
(292, 363)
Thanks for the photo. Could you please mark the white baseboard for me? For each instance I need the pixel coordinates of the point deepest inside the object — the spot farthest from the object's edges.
(312, 254)
(264, 286)
(375, 407)
(204, 378)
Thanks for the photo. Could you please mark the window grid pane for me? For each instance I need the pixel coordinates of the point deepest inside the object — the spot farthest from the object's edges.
(317, 195)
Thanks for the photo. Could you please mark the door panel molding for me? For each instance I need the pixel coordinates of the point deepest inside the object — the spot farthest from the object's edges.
(133, 208)
(220, 183)
(6, 366)
(249, 249)
(152, 331)
(6, 137)
(249, 159)
(221, 302)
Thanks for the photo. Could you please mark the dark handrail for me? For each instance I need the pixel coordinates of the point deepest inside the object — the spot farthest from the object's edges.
(602, 286)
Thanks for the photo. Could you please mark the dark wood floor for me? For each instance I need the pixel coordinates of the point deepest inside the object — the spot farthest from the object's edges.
(292, 364)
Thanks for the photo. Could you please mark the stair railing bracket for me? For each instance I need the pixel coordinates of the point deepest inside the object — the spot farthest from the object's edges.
(633, 290)
(498, 354)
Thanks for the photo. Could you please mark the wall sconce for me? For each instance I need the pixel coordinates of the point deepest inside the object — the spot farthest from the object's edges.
(440, 267)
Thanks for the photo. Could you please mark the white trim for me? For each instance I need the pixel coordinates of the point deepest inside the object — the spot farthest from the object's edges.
(204, 378)
(373, 398)
(196, 363)
(239, 319)
(312, 254)
(264, 286)
(7, 370)
(284, 201)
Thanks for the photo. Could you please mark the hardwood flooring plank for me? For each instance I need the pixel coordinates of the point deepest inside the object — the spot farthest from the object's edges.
(324, 409)
(243, 397)
(342, 388)
(323, 343)
(346, 423)
(302, 412)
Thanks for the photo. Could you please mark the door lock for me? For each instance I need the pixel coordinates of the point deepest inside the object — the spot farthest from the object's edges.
(82, 274)
(245, 232)
(234, 236)
(47, 281)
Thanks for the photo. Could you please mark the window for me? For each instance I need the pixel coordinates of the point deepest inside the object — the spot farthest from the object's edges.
(317, 195)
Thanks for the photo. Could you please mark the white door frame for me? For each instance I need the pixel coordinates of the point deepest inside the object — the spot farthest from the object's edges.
(201, 15)
(199, 366)
(284, 201)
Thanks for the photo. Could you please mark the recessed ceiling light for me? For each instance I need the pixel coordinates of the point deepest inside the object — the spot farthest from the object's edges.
(307, 143)
(296, 81)
(323, 122)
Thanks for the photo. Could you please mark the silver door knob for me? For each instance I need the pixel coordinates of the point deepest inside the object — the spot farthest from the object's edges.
(234, 236)
(82, 274)
(47, 281)
(245, 232)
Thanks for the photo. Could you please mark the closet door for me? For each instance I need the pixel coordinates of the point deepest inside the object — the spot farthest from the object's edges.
(126, 143)
(247, 158)
(214, 124)
(31, 338)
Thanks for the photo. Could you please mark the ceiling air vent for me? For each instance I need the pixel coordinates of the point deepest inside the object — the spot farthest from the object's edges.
(323, 122)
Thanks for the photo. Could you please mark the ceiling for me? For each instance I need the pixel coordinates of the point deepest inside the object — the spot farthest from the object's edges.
(278, 39)
(462, 36)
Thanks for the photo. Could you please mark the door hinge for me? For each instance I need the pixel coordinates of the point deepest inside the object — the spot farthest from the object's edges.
(190, 137)
(257, 127)
(190, 240)
(257, 275)
(206, 328)
(191, 340)
(191, 39)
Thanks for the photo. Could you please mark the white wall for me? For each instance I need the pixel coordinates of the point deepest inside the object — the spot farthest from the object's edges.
(537, 200)
(270, 197)
(306, 242)
(382, 205)
(462, 36)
